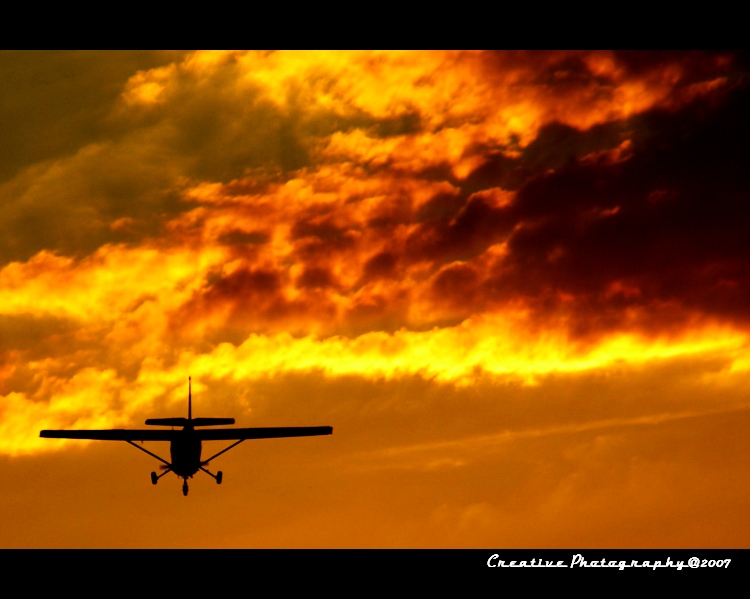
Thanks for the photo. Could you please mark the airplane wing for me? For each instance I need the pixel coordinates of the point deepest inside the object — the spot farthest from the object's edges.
(237, 434)
(216, 434)
(115, 434)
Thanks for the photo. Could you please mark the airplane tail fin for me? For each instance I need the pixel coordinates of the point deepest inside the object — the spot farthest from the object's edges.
(189, 421)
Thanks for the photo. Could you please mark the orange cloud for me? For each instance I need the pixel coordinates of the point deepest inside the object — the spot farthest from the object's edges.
(526, 263)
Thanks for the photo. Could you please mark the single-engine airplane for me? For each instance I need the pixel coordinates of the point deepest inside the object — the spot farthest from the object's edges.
(185, 445)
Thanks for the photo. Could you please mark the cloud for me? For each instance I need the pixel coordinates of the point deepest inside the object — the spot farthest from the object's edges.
(60, 101)
(513, 282)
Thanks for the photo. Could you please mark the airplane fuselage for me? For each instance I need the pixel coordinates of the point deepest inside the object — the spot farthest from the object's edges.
(185, 450)
(186, 442)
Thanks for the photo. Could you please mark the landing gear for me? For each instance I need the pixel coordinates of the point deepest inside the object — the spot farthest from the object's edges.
(217, 477)
(155, 477)
(185, 488)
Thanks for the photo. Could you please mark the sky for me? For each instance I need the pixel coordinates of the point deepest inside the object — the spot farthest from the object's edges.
(515, 283)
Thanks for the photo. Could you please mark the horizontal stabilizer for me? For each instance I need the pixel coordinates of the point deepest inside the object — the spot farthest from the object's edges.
(211, 421)
(167, 421)
(186, 422)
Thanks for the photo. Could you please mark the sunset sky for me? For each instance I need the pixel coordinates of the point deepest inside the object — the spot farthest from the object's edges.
(516, 284)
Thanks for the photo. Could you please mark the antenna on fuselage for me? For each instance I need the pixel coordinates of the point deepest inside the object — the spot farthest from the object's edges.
(190, 399)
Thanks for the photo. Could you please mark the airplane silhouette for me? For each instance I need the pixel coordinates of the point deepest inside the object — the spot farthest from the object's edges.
(185, 445)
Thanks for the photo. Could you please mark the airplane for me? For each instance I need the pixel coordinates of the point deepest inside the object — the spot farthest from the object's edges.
(186, 444)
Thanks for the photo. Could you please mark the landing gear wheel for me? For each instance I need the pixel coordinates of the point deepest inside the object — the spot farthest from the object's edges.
(154, 478)
(184, 488)
(219, 476)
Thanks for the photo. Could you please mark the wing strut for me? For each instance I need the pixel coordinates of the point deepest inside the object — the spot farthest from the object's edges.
(216, 455)
(153, 455)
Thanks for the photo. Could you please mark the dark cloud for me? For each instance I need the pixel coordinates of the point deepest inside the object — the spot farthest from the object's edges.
(64, 175)
(467, 234)
(77, 158)
(331, 243)
(244, 238)
(253, 299)
(240, 291)
(222, 130)
(316, 277)
(557, 145)
(375, 312)
(382, 265)
(497, 170)
(443, 206)
(73, 206)
(324, 230)
(671, 221)
(568, 72)
(457, 286)
(56, 102)
(402, 124)
(695, 65)
(36, 334)
(629, 213)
